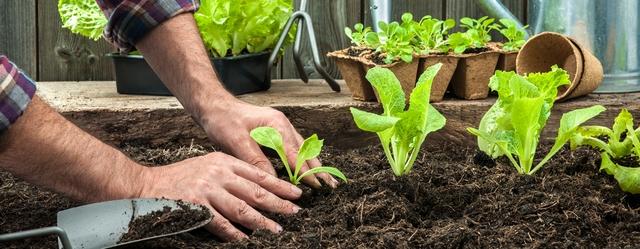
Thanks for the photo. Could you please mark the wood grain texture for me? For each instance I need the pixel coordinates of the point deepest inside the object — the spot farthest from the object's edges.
(18, 37)
(330, 17)
(65, 56)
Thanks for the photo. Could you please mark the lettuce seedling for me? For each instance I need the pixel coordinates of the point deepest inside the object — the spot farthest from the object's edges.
(82, 17)
(358, 34)
(310, 149)
(515, 36)
(394, 40)
(401, 132)
(476, 36)
(512, 126)
(620, 141)
(431, 35)
(479, 29)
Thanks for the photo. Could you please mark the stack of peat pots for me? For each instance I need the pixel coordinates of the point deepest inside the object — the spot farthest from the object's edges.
(547, 49)
(466, 75)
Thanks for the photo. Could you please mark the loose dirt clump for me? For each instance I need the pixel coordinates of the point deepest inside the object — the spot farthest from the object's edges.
(447, 201)
(166, 221)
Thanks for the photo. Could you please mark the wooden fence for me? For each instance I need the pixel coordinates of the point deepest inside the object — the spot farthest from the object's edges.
(31, 35)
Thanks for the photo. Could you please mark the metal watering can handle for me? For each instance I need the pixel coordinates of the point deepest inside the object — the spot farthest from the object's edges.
(496, 9)
(64, 239)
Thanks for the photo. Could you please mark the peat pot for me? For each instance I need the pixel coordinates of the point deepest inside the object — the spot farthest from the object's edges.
(239, 74)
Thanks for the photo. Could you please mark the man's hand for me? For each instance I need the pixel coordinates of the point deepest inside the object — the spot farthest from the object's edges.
(175, 51)
(231, 125)
(230, 188)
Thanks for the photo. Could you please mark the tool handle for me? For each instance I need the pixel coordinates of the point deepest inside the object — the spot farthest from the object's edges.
(62, 235)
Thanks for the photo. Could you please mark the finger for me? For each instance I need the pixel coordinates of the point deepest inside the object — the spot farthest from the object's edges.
(240, 212)
(258, 197)
(326, 178)
(222, 228)
(248, 151)
(270, 183)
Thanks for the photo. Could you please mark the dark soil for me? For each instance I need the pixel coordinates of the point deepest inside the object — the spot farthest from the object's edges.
(165, 221)
(475, 50)
(448, 201)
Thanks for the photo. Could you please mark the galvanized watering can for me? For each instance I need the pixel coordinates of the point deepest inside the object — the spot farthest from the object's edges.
(609, 28)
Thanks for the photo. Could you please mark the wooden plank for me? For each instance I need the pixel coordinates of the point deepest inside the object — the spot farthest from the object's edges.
(18, 37)
(312, 108)
(329, 17)
(65, 56)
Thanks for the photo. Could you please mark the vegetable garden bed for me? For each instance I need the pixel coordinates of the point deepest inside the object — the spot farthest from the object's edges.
(451, 198)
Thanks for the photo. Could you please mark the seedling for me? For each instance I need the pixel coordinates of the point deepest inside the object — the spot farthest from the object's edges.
(431, 35)
(310, 149)
(512, 126)
(401, 132)
(515, 36)
(358, 34)
(476, 36)
(394, 40)
(621, 141)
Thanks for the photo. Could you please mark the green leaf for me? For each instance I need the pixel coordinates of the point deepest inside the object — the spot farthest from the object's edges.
(372, 122)
(242, 26)
(271, 138)
(569, 124)
(628, 178)
(82, 17)
(388, 88)
(309, 149)
(324, 169)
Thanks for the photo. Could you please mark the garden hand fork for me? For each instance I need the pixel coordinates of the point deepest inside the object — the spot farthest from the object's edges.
(304, 21)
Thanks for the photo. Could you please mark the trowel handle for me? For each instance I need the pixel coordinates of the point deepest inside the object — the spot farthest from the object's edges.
(39, 233)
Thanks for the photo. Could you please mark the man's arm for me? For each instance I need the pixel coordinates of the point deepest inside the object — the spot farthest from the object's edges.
(44, 148)
(47, 150)
(169, 39)
(176, 52)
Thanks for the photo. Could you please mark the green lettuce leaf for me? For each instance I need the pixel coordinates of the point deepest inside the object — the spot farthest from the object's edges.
(82, 17)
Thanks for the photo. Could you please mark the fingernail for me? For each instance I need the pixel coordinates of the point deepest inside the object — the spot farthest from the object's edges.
(296, 209)
(296, 190)
(278, 229)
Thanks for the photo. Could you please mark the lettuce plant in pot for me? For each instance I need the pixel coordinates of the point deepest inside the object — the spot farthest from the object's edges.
(477, 60)
(238, 34)
(390, 48)
(515, 38)
(432, 48)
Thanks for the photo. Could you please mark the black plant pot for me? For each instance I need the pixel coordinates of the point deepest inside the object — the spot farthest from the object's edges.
(239, 74)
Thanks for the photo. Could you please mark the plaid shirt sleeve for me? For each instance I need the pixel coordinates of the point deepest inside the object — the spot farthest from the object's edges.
(16, 92)
(130, 20)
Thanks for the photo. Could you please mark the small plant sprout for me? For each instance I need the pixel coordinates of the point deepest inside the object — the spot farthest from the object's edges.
(515, 36)
(358, 34)
(310, 149)
(394, 40)
(432, 35)
(476, 36)
(621, 141)
(401, 132)
(512, 126)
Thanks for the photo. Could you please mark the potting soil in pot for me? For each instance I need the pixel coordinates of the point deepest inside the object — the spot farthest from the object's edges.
(451, 199)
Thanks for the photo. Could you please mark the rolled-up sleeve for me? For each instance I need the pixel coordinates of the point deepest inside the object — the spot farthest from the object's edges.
(130, 20)
(16, 92)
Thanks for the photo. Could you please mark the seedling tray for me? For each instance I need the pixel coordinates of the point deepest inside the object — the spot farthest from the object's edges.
(239, 75)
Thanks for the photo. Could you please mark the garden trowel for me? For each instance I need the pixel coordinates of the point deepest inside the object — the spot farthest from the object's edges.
(101, 225)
